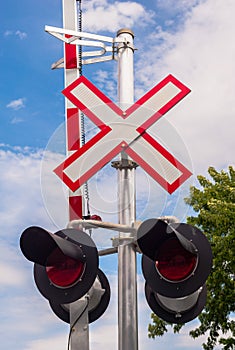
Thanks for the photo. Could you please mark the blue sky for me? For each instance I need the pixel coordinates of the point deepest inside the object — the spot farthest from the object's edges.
(191, 39)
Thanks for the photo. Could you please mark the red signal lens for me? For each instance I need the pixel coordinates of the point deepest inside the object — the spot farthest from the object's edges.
(173, 262)
(62, 270)
(95, 217)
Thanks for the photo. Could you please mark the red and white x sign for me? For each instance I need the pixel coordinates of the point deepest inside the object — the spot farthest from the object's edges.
(124, 131)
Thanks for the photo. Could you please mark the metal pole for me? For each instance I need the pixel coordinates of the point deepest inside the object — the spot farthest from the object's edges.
(127, 290)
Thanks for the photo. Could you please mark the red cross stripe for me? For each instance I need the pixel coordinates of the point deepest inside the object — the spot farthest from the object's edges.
(124, 130)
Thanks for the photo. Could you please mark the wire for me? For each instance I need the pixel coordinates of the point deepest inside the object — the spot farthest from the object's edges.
(75, 322)
(80, 30)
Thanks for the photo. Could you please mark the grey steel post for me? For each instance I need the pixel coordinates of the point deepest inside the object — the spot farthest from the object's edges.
(127, 289)
(79, 331)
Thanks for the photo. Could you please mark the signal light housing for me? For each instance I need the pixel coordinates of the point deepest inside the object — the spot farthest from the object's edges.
(66, 262)
(176, 310)
(99, 295)
(176, 262)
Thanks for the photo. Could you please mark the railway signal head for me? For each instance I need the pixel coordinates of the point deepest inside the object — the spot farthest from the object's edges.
(176, 262)
(66, 262)
(65, 269)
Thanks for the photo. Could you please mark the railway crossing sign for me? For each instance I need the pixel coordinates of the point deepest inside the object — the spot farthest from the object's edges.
(124, 130)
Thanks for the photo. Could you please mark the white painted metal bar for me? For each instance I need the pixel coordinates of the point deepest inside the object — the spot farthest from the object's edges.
(74, 33)
(102, 224)
(74, 37)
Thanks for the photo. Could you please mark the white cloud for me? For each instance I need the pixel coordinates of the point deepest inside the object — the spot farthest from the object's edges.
(173, 7)
(17, 120)
(16, 104)
(8, 32)
(113, 16)
(199, 54)
(21, 35)
(22, 307)
(58, 342)
(106, 82)
(11, 275)
(20, 191)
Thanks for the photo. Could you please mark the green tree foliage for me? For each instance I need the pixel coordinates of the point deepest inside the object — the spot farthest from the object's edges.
(214, 202)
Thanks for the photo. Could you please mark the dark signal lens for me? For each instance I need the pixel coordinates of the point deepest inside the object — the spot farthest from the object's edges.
(173, 262)
(62, 270)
